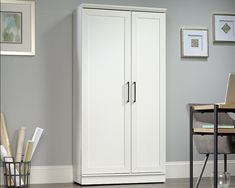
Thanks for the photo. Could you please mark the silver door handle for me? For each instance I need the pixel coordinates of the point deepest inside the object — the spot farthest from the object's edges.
(134, 84)
(128, 92)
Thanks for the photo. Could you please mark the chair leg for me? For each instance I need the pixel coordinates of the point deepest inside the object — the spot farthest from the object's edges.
(203, 168)
(225, 162)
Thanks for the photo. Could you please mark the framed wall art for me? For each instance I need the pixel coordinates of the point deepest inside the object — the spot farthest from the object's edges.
(194, 43)
(224, 27)
(17, 27)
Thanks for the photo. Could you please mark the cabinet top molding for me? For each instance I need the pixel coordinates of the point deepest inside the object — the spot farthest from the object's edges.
(125, 8)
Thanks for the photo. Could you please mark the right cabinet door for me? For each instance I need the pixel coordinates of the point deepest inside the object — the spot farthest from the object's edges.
(148, 92)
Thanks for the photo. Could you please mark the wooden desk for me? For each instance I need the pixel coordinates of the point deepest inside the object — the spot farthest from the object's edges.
(202, 131)
(212, 108)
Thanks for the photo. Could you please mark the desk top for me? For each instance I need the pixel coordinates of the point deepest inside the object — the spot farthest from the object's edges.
(211, 107)
(222, 131)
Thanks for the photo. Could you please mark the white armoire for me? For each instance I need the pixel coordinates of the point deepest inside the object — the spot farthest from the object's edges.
(119, 94)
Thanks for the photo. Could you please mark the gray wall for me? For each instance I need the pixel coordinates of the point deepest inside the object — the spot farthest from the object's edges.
(37, 91)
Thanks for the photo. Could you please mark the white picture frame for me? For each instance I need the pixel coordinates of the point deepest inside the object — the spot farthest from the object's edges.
(224, 27)
(17, 27)
(194, 43)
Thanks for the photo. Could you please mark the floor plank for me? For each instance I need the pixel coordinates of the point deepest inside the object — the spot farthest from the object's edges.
(170, 183)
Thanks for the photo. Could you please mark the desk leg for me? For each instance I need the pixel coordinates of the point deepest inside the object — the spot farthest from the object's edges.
(225, 162)
(191, 147)
(215, 146)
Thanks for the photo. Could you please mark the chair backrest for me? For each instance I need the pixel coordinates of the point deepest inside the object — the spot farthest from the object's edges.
(230, 92)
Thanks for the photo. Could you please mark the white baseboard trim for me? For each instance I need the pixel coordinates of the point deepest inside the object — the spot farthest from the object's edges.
(181, 169)
(64, 174)
(49, 174)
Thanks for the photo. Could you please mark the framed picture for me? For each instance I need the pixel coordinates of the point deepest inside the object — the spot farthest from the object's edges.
(194, 43)
(224, 27)
(17, 27)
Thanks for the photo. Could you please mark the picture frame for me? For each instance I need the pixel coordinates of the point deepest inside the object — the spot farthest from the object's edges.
(224, 27)
(17, 35)
(194, 43)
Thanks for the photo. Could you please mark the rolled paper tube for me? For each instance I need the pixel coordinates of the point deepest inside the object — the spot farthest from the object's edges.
(28, 151)
(4, 135)
(27, 156)
(36, 137)
(20, 144)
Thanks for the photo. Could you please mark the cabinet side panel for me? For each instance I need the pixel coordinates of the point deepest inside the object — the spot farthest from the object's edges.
(77, 95)
(163, 92)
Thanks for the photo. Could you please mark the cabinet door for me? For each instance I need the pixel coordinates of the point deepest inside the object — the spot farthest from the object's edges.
(106, 71)
(148, 63)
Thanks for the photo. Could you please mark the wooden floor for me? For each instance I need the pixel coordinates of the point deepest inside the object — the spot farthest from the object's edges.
(170, 183)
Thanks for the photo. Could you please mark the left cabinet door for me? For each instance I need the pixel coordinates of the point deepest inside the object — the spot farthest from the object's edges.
(106, 64)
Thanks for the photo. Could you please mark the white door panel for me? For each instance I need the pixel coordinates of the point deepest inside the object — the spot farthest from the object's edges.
(106, 119)
(146, 126)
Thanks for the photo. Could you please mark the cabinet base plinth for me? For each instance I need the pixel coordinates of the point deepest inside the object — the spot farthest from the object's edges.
(121, 179)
